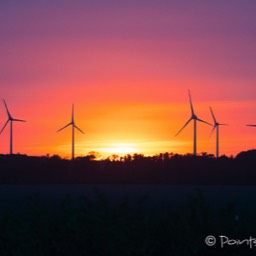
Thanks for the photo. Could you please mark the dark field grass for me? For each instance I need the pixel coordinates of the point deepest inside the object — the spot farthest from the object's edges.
(78, 225)
(170, 219)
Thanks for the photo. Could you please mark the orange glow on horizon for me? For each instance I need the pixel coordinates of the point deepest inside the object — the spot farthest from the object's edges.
(130, 128)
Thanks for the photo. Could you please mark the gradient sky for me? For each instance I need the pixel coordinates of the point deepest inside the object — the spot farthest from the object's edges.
(127, 67)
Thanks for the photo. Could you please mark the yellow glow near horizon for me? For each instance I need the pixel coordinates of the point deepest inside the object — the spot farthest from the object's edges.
(120, 149)
(105, 148)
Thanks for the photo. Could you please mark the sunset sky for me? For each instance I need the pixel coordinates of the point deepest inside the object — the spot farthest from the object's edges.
(127, 67)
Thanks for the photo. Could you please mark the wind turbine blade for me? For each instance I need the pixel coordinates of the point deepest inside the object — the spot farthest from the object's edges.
(200, 120)
(224, 124)
(78, 129)
(183, 127)
(191, 104)
(214, 119)
(212, 130)
(64, 127)
(18, 120)
(7, 111)
(252, 125)
(4, 126)
(72, 115)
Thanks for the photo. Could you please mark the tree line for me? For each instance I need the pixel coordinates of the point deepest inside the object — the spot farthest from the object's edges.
(163, 168)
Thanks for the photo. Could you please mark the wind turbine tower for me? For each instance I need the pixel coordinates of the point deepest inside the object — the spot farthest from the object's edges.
(72, 123)
(11, 120)
(195, 119)
(216, 126)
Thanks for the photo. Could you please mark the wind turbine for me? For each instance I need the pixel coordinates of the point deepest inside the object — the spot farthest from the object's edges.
(10, 119)
(72, 123)
(216, 126)
(195, 118)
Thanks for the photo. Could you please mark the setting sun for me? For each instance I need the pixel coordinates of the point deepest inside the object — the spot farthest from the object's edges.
(120, 148)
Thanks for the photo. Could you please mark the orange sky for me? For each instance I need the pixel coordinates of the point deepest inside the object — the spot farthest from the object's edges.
(120, 126)
(127, 67)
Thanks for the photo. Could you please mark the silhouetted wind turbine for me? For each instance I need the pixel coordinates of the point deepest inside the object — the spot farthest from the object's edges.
(10, 119)
(216, 126)
(195, 118)
(72, 123)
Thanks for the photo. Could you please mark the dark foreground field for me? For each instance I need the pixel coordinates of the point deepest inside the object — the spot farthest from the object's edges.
(78, 225)
(106, 222)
